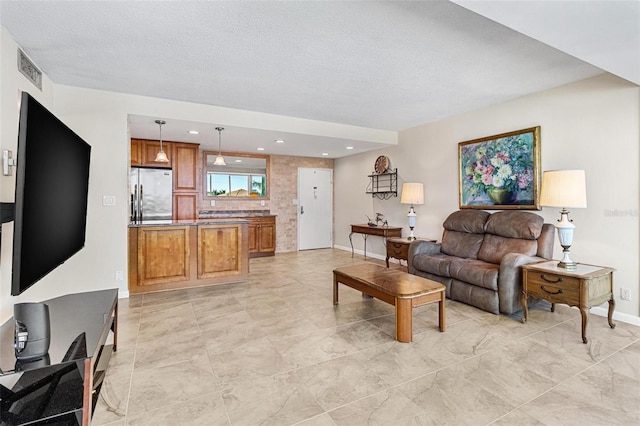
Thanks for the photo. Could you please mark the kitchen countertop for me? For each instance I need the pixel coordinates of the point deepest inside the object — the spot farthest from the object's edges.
(211, 221)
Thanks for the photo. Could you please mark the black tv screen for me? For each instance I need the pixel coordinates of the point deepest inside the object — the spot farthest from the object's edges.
(52, 183)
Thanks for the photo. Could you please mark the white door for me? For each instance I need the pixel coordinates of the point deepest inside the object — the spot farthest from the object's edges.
(315, 208)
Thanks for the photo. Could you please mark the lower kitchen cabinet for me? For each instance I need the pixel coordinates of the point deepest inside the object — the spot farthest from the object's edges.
(262, 236)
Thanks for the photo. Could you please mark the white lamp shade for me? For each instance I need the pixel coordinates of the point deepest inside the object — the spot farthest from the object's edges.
(412, 193)
(219, 161)
(563, 188)
(161, 157)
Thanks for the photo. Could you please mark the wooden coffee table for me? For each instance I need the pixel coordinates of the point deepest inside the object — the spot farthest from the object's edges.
(398, 288)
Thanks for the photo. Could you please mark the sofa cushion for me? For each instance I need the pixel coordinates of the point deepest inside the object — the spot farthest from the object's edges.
(494, 247)
(475, 272)
(515, 224)
(470, 221)
(434, 264)
(461, 244)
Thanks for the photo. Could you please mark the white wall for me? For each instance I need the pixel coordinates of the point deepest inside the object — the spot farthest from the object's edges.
(101, 119)
(593, 125)
(12, 82)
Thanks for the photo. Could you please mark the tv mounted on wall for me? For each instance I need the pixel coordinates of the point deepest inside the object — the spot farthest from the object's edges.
(52, 183)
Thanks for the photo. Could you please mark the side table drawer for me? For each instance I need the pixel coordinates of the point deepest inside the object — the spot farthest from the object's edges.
(397, 250)
(554, 288)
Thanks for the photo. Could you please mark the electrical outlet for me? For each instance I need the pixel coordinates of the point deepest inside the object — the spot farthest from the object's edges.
(625, 294)
(119, 276)
(109, 200)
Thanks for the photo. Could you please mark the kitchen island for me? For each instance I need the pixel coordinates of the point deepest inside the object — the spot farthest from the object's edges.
(175, 254)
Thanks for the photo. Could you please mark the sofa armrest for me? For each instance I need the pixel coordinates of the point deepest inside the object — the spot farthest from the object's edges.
(421, 247)
(510, 280)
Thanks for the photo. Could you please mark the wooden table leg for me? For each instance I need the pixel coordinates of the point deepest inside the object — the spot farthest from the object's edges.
(335, 289)
(585, 316)
(404, 326)
(612, 305)
(441, 311)
(525, 308)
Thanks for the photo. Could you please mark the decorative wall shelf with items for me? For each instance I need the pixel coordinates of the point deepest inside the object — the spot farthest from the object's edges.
(383, 182)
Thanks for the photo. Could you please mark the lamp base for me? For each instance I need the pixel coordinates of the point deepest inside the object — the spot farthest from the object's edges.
(566, 262)
(411, 237)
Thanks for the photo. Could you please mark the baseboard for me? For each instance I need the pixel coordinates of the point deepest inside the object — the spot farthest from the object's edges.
(123, 294)
(361, 252)
(618, 316)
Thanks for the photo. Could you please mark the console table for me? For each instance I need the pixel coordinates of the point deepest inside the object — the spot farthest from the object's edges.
(384, 231)
(584, 287)
(63, 386)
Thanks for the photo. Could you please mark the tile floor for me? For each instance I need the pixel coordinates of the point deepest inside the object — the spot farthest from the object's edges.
(275, 351)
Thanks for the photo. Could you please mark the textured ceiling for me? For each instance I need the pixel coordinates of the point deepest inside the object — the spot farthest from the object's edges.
(381, 65)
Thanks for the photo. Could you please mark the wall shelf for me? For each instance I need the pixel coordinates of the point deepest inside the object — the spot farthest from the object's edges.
(383, 185)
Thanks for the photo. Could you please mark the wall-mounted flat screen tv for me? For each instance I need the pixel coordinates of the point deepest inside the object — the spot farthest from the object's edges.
(52, 183)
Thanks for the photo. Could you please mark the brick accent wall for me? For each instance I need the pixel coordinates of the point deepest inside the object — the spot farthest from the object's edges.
(283, 187)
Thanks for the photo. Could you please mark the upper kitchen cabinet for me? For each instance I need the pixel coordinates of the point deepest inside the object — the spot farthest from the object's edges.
(185, 167)
(143, 153)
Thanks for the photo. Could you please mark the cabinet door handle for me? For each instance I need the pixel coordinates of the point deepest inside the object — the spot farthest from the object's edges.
(560, 291)
(557, 280)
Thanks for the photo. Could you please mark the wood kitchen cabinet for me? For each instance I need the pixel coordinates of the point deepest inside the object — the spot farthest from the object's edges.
(262, 236)
(185, 206)
(185, 167)
(144, 151)
(175, 256)
(185, 180)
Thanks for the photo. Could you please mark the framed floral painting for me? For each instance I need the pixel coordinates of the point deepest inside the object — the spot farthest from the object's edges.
(501, 172)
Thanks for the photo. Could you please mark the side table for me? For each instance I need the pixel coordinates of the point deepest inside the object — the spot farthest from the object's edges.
(584, 287)
(398, 248)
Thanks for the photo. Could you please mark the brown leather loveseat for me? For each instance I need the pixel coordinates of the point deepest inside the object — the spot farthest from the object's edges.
(480, 256)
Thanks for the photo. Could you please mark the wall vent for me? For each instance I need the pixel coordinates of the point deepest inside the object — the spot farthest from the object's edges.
(29, 70)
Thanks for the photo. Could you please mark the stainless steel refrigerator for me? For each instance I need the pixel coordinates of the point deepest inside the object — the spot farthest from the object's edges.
(151, 194)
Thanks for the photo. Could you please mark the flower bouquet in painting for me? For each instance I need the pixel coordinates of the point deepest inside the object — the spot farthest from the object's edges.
(500, 172)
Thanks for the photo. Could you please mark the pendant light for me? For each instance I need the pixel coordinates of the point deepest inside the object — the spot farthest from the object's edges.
(219, 160)
(161, 157)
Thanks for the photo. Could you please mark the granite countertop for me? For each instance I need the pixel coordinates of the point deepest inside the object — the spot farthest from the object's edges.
(211, 221)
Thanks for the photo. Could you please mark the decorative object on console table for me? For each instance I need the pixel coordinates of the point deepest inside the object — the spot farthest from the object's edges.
(501, 171)
(385, 231)
(412, 193)
(584, 287)
(564, 188)
(398, 248)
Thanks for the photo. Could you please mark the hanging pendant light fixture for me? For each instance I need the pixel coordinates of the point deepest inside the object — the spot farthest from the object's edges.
(219, 160)
(161, 156)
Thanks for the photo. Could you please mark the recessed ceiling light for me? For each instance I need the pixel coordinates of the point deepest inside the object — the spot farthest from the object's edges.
(279, 141)
(325, 153)
(260, 148)
(238, 161)
(349, 147)
(194, 132)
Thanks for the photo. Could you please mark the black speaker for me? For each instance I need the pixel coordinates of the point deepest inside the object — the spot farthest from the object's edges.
(32, 330)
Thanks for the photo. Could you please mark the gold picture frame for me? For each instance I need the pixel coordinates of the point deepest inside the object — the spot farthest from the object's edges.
(500, 172)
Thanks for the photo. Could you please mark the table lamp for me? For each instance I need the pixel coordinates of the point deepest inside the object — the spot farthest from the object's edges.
(564, 188)
(412, 193)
